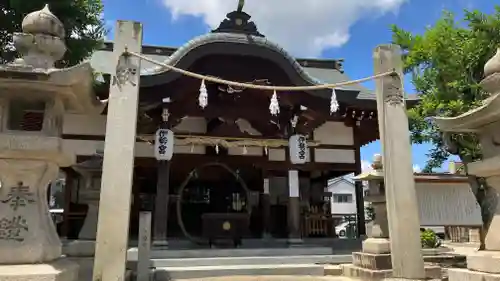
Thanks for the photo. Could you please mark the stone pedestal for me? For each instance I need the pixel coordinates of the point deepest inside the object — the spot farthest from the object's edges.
(374, 262)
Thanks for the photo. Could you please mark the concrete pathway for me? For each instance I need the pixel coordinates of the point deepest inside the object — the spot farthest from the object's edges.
(271, 278)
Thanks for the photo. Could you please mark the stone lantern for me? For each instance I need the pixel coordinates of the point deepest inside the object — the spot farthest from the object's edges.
(34, 96)
(374, 261)
(375, 258)
(379, 236)
(91, 171)
(485, 122)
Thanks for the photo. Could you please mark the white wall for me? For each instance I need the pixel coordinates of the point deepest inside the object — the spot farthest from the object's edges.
(447, 204)
(343, 187)
(335, 133)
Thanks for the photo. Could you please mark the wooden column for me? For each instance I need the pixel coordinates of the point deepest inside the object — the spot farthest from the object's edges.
(161, 205)
(294, 236)
(402, 208)
(266, 208)
(116, 187)
(359, 193)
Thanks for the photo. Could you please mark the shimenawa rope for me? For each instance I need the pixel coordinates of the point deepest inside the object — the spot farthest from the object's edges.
(260, 87)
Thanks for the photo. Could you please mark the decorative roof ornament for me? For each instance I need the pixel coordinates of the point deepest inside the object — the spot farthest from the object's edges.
(41, 42)
(241, 4)
(238, 22)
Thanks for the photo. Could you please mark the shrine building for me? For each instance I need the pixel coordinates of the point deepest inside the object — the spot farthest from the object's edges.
(229, 153)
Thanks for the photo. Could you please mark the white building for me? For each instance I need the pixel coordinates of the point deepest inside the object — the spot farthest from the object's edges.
(343, 200)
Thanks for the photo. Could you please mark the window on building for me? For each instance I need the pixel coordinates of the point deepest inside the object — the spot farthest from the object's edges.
(26, 115)
(342, 198)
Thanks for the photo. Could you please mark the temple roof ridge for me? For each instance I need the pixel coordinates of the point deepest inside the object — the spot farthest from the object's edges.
(324, 63)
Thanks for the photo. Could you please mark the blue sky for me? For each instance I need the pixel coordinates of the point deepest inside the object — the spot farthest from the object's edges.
(307, 28)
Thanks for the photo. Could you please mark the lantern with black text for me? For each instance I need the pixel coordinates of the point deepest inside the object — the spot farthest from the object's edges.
(164, 144)
(299, 152)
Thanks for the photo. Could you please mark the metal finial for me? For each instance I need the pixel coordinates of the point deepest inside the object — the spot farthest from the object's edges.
(241, 3)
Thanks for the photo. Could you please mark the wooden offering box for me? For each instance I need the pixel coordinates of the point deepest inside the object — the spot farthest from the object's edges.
(225, 226)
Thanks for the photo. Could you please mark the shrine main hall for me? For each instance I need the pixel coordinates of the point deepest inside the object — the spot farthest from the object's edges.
(231, 158)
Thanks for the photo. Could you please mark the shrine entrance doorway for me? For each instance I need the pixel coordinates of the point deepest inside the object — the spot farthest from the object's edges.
(214, 201)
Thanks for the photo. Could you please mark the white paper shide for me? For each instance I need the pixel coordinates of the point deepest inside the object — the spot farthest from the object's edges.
(299, 152)
(164, 144)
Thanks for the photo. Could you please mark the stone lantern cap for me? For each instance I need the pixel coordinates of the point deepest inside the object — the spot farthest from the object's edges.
(376, 174)
(40, 45)
(473, 120)
(43, 22)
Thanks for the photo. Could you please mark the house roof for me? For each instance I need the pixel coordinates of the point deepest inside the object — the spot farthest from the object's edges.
(339, 180)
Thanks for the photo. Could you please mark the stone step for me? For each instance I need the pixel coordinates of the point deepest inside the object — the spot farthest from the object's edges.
(172, 273)
(306, 259)
(240, 252)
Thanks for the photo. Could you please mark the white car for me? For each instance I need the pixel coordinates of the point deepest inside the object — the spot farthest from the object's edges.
(341, 229)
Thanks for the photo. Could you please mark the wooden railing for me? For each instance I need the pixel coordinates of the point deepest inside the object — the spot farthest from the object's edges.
(318, 225)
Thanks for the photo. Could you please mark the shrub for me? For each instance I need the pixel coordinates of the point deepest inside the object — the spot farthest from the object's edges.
(429, 239)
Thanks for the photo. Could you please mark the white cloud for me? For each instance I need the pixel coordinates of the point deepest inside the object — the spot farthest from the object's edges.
(366, 166)
(416, 168)
(305, 27)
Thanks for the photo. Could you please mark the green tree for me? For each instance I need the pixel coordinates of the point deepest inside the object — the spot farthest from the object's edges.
(446, 63)
(82, 20)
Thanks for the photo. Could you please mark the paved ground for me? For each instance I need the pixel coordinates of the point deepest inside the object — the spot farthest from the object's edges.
(271, 278)
(462, 248)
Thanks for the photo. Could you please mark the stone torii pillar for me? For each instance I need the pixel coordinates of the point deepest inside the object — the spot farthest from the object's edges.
(118, 164)
(402, 207)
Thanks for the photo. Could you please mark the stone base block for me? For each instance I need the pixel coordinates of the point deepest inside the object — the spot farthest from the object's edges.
(377, 246)
(333, 270)
(59, 270)
(79, 248)
(350, 270)
(484, 261)
(458, 274)
(372, 261)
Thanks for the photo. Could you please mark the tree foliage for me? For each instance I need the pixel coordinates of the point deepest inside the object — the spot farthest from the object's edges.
(82, 20)
(446, 63)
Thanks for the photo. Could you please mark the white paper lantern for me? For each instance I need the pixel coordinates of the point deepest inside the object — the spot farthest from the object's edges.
(299, 152)
(164, 144)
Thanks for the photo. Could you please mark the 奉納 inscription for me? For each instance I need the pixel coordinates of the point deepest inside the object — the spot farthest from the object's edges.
(393, 90)
(12, 229)
(19, 196)
(125, 71)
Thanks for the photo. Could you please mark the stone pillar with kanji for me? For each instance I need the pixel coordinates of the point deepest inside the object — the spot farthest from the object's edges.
(34, 95)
